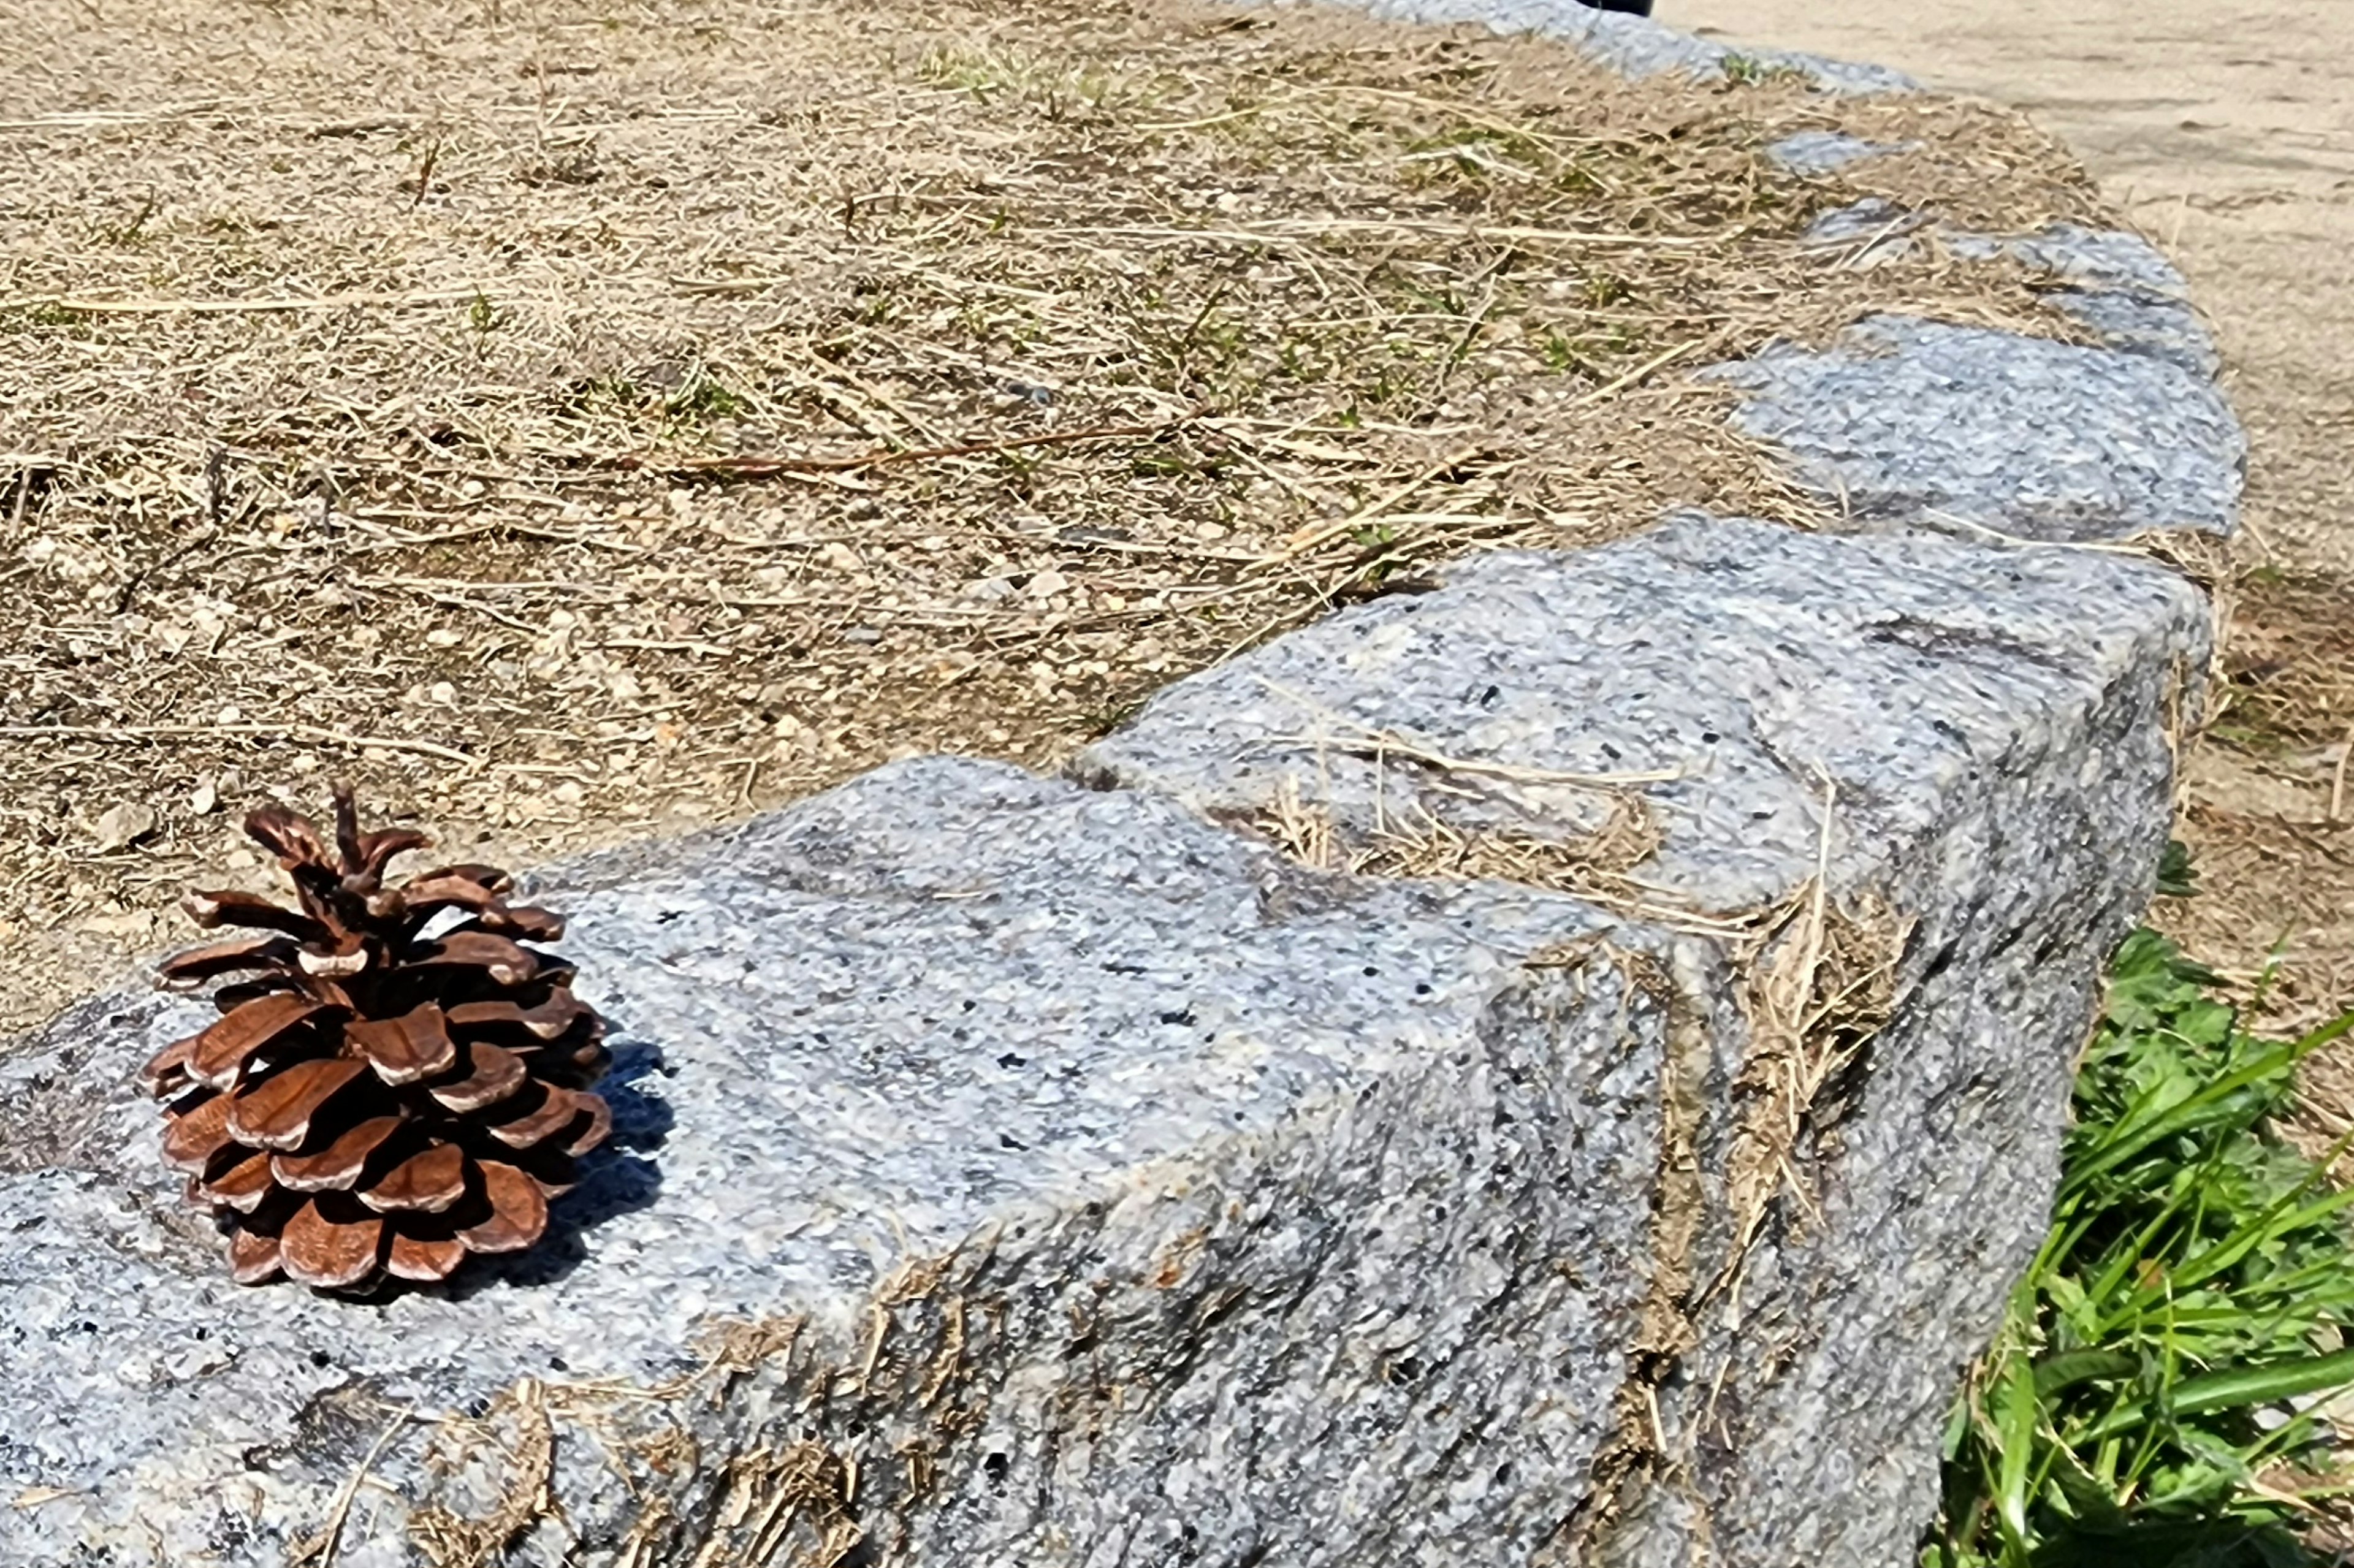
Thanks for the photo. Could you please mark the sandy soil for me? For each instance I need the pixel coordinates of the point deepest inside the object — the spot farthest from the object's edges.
(2226, 131)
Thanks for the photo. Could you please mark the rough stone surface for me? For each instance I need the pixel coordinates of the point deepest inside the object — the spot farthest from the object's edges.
(1986, 725)
(2120, 286)
(1137, 1195)
(1874, 219)
(1827, 152)
(2132, 322)
(1906, 422)
(2117, 284)
(1639, 46)
(2103, 258)
(1740, 656)
(1252, 1188)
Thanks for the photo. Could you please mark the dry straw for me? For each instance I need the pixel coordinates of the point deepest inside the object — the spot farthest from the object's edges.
(568, 421)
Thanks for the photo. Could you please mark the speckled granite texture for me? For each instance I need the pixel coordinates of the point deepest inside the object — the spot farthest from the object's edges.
(2118, 285)
(2115, 284)
(1135, 1195)
(1987, 726)
(1827, 152)
(1239, 1197)
(1740, 656)
(1915, 423)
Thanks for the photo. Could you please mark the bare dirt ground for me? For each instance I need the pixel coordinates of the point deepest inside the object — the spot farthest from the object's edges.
(576, 422)
(2226, 130)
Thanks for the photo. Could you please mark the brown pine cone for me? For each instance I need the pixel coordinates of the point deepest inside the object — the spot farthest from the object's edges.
(396, 1082)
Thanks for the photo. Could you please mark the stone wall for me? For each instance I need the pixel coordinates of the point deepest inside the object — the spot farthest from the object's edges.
(1563, 1067)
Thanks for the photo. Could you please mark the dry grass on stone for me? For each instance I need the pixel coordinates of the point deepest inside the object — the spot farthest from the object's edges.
(573, 421)
(1420, 843)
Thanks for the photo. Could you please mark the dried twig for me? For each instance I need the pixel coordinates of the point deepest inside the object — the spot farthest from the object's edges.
(87, 306)
(768, 466)
(314, 733)
(2337, 779)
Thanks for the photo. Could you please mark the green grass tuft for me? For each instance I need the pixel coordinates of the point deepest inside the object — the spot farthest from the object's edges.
(2150, 1399)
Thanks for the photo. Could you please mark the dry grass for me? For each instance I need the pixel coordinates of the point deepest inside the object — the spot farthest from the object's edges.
(1593, 866)
(2289, 672)
(2271, 820)
(2271, 825)
(575, 420)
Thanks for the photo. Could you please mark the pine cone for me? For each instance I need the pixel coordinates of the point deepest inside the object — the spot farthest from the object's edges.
(396, 1081)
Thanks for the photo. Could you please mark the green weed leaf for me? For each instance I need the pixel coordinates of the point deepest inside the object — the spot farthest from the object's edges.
(2196, 1282)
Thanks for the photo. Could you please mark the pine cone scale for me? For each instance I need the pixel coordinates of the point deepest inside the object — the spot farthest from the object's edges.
(488, 877)
(428, 1183)
(557, 1111)
(548, 1020)
(518, 1211)
(198, 1131)
(341, 963)
(219, 1056)
(212, 909)
(407, 1049)
(243, 1181)
(276, 1113)
(431, 892)
(422, 1259)
(339, 1116)
(504, 961)
(167, 1073)
(294, 840)
(599, 1128)
(235, 955)
(252, 1257)
(330, 1253)
(378, 850)
(340, 1163)
(531, 925)
(497, 1073)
